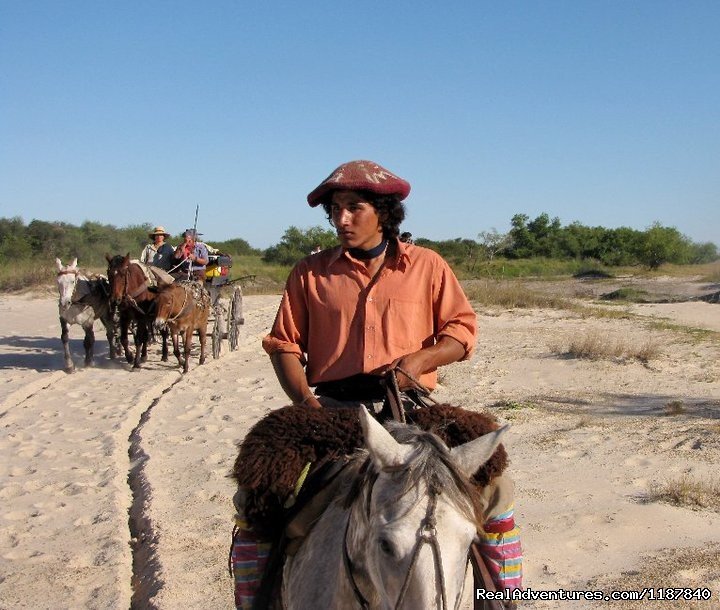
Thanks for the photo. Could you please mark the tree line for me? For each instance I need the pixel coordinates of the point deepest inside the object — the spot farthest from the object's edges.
(541, 237)
(89, 242)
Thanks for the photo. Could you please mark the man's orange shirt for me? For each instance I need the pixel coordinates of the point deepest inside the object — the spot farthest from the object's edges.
(339, 325)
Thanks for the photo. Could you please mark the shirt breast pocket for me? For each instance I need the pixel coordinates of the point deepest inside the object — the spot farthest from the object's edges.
(403, 324)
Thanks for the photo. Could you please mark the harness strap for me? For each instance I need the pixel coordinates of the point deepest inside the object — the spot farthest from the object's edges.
(184, 305)
(427, 535)
(482, 578)
(360, 598)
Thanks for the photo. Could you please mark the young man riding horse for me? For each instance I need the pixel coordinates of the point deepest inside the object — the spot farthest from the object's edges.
(373, 304)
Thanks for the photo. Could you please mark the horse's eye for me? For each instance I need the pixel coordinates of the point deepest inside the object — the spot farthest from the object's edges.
(385, 546)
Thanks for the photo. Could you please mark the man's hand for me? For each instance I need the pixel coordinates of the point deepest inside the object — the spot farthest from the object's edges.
(445, 351)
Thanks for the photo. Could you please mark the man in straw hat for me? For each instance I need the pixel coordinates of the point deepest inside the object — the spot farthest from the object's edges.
(374, 303)
(158, 253)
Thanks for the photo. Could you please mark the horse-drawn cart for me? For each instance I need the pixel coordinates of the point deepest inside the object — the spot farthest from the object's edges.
(225, 319)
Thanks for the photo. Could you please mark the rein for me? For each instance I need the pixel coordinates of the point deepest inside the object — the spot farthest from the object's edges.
(393, 392)
(182, 309)
(130, 297)
(427, 534)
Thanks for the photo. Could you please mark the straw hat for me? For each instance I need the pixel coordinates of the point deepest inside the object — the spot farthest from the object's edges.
(159, 231)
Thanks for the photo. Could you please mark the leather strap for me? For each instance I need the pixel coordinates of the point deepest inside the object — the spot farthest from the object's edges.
(482, 580)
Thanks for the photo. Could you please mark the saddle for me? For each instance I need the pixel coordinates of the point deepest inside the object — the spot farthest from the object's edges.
(315, 444)
(154, 276)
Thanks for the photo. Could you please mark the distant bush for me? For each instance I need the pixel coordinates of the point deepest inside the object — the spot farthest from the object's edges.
(631, 295)
(299, 243)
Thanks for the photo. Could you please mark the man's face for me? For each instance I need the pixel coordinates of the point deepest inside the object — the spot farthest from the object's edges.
(356, 220)
(158, 239)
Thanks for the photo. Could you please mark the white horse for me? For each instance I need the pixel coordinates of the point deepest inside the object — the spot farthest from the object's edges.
(401, 539)
(82, 301)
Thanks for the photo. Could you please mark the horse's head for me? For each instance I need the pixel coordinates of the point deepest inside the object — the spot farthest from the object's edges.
(419, 515)
(66, 281)
(117, 272)
(166, 304)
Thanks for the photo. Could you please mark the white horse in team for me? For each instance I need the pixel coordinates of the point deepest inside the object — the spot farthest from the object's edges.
(83, 300)
(401, 540)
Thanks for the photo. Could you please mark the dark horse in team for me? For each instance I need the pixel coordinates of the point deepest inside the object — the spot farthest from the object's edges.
(136, 303)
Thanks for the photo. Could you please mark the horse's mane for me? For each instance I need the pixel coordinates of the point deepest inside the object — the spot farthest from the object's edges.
(116, 261)
(276, 449)
(430, 464)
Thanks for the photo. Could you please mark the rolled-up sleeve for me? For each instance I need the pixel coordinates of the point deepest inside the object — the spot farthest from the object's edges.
(289, 331)
(454, 316)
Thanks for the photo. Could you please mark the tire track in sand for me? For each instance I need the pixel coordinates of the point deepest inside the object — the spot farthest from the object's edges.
(64, 477)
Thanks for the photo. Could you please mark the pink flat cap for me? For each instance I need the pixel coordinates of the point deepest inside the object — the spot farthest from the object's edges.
(360, 176)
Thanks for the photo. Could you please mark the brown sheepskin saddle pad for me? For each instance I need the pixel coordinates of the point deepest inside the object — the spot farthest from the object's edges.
(275, 451)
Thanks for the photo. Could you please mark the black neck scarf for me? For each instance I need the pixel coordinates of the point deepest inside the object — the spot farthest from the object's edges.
(366, 255)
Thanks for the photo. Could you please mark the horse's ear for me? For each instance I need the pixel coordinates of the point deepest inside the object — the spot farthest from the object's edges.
(127, 258)
(471, 455)
(73, 265)
(384, 450)
(108, 258)
(58, 262)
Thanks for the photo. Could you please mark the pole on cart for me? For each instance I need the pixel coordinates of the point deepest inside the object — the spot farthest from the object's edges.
(189, 269)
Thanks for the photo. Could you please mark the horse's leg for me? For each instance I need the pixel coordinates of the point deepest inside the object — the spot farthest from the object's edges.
(176, 346)
(145, 339)
(164, 335)
(188, 344)
(202, 335)
(110, 335)
(89, 344)
(124, 327)
(65, 336)
(141, 338)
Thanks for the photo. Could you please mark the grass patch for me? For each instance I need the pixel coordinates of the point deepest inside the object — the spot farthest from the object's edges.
(675, 407)
(689, 492)
(596, 346)
(512, 405)
(512, 295)
(627, 294)
(24, 275)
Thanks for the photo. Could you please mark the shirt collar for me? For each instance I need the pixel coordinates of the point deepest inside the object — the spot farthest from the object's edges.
(402, 258)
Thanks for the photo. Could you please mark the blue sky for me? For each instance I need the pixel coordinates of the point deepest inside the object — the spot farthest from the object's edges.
(126, 112)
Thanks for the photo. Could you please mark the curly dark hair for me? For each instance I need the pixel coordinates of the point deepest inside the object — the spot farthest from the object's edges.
(390, 209)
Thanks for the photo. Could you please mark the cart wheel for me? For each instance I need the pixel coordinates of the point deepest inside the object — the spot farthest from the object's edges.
(236, 306)
(235, 318)
(216, 338)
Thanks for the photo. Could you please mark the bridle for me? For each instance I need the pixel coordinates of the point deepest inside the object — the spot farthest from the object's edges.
(129, 297)
(74, 272)
(427, 534)
(184, 305)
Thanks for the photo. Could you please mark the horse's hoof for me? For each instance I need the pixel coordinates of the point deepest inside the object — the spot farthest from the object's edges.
(130, 359)
(69, 370)
(164, 359)
(143, 359)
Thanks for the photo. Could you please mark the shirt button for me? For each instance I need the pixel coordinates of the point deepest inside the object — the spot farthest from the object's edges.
(371, 328)
(369, 356)
(370, 299)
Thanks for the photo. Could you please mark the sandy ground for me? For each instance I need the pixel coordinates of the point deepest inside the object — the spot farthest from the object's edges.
(590, 440)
